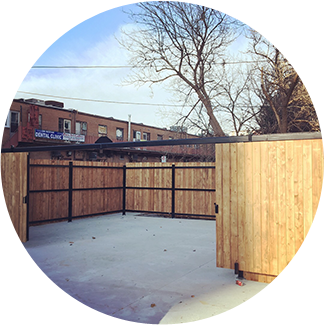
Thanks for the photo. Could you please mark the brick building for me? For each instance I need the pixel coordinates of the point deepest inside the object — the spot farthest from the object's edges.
(34, 122)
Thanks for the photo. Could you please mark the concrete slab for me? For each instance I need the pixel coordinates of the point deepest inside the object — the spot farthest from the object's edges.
(139, 268)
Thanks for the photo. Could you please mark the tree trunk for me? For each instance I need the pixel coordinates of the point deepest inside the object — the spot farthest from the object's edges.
(218, 132)
(283, 126)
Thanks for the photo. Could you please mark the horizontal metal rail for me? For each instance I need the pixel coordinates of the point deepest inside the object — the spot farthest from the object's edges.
(75, 166)
(179, 214)
(170, 188)
(174, 142)
(77, 189)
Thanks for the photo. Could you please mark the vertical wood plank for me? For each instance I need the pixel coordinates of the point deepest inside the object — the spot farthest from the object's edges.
(307, 185)
(233, 203)
(248, 225)
(290, 207)
(241, 206)
(298, 195)
(318, 216)
(256, 206)
(219, 201)
(264, 189)
(273, 209)
(281, 174)
(226, 214)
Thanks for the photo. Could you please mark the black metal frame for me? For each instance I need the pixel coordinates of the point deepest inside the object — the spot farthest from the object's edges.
(166, 213)
(173, 189)
(70, 191)
(211, 140)
(27, 199)
(175, 142)
(124, 188)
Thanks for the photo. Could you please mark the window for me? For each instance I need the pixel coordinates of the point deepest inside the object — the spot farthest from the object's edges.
(146, 136)
(171, 138)
(120, 134)
(60, 126)
(136, 135)
(40, 121)
(14, 121)
(6, 118)
(67, 126)
(160, 137)
(102, 130)
(81, 128)
(64, 125)
(78, 128)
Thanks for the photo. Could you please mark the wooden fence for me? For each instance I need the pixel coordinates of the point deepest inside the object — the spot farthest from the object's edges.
(180, 189)
(14, 184)
(62, 190)
(267, 193)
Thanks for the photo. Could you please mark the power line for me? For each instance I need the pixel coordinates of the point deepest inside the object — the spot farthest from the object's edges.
(82, 66)
(100, 100)
(122, 66)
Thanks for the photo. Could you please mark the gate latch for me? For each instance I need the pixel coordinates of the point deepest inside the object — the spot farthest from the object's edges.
(216, 208)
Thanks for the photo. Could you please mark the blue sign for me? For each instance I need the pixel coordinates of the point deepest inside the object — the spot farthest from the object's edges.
(48, 134)
(52, 135)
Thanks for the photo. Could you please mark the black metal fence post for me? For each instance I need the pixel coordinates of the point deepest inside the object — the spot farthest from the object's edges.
(27, 198)
(173, 192)
(70, 190)
(124, 190)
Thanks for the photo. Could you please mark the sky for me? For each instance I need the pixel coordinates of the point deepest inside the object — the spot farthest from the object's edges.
(93, 43)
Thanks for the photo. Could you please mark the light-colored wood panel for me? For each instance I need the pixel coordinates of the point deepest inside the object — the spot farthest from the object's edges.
(272, 202)
(14, 184)
(226, 215)
(248, 215)
(282, 201)
(273, 209)
(256, 206)
(241, 205)
(234, 203)
(264, 206)
(219, 202)
(290, 207)
(307, 185)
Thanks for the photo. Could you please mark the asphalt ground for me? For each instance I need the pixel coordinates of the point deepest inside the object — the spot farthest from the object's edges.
(138, 268)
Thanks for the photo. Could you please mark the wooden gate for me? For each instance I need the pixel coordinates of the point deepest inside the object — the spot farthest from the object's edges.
(268, 193)
(14, 184)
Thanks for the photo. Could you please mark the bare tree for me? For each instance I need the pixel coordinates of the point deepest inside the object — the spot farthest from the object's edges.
(288, 40)
(182, 42)
(302, 111)
(236, 99)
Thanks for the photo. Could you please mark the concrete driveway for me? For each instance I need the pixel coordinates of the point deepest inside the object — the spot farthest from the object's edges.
(139, 268)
